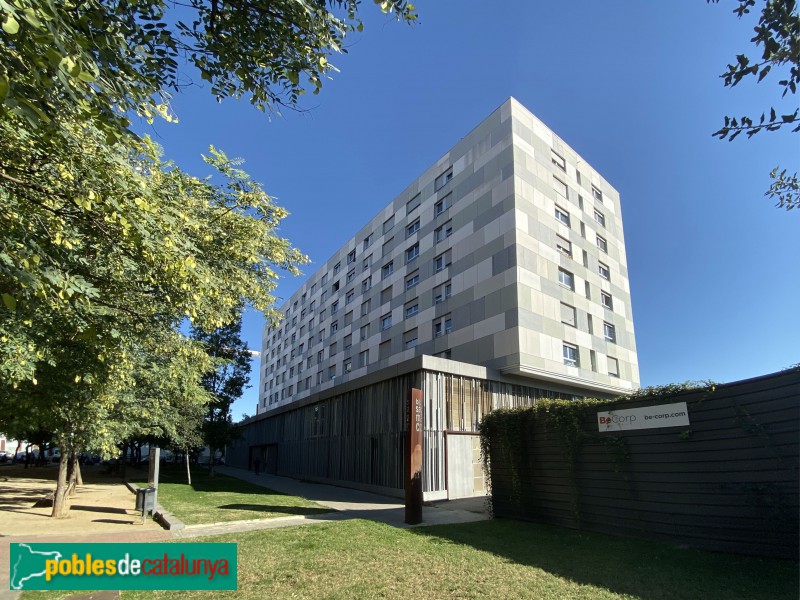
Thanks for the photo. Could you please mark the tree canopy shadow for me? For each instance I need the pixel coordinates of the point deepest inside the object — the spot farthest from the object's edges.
(641, 568)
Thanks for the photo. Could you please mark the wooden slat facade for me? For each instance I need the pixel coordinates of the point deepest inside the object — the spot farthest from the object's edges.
(356, 438)
(728, 481)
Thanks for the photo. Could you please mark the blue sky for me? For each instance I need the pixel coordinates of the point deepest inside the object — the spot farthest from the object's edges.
(632, 86)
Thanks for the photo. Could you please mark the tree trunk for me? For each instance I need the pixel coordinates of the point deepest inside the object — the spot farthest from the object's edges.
(211, 461)
(60, 501)
(78, 474)
(123, 459)
(72, 471)
(188, 470)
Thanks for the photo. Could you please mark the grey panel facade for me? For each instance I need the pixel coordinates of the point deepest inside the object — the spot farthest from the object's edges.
(472, 262)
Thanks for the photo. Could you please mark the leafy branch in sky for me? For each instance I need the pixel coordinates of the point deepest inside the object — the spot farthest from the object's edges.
(777, 35)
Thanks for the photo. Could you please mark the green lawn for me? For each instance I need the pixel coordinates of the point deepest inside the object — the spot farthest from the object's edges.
(221, 498)
(491, 559)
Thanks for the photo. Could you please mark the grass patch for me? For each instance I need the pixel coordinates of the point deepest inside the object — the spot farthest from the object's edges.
(221, 498)
(490, 559)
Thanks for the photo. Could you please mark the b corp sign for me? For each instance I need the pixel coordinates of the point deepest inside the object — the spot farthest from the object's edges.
(646, 417)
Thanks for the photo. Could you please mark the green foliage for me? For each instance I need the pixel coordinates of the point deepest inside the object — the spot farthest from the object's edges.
(506, 431)
(784, 189)
(112, 58)
(224, 381)
(777, 35)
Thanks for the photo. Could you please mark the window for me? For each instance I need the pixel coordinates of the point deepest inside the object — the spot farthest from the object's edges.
(334, 307)
(312, 305)
(348, 341)
(442, 292)
(445, 354)
(600, 217)
(363, 358)
(387, 247)
(386, 295)
(303, 298)
(412, 308)
(332, 372)
(585, 258)
(365, 307)
(443, 260)
(613, 367)
(365, 332)
(333, 350)
(606, 300)
(320, 356)
(443, 179)
(560, 186)
(568, 314)
(602, 244)
(351, 274)
(412, 253)
(388, 269)
(443, 232)
(566, 279)
(562, 215)
(583, 230)
(324, 279)
(412, 228)
(442, 205)
(337, 268)
(321, 315)
(410, 339)
(334, 327)
(323, 296)
(580, 200)
(313, 288)
(588, 290)
(386, 322)
(347, 365)
(351, 257)
(589, 325)
(367, 263)
(442, 326)
(610, 332)
(597, 194)
(558, 160)
(593, 360)
(570, 355)
(564, 246)
(388, 224)
(412, 280)
(368, 241)
(309, 362)
(603, 270)
(413, 203)
(351, 295)
(366, 284)
(385, 350)
(348, 318)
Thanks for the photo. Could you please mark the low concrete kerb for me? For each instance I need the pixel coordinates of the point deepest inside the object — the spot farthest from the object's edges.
(160, 515)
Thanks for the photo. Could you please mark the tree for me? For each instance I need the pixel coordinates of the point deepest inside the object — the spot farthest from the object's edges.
(225, 382)
(778, 36)
(109, 58)
(106, 247)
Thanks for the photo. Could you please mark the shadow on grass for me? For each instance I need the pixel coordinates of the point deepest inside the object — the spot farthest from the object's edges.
(288, 510)
(644, 569)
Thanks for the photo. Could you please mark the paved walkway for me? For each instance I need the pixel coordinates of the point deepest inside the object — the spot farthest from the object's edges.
(356, 504)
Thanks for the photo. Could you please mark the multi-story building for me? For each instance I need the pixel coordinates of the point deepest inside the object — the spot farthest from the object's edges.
(497, 277)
